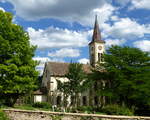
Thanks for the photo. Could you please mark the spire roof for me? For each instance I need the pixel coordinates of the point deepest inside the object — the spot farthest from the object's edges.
(96, 33)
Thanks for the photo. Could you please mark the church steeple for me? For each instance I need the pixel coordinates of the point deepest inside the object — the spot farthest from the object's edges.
(96, 33)
(96, 46)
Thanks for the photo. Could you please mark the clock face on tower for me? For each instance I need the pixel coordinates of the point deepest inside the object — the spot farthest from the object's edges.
(100, 47)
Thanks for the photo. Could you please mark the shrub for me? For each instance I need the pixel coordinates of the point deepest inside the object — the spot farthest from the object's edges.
(85, 109)
(3, 116)
(117, 110)
(42, 105)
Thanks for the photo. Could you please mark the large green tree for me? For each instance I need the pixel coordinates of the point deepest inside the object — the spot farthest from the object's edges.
(17, 69)
(126, 72)
(75, 85)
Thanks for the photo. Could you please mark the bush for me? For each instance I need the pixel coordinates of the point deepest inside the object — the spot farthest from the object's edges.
(87, 109)
(3, 116)
(117, 110)
(42, 105)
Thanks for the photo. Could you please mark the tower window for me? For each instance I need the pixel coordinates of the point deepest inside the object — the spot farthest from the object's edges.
(92, 48)
(92, 59)
(100, 57)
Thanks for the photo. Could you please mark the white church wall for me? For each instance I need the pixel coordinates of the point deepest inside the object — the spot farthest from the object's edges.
(40, 98)
(53, 82)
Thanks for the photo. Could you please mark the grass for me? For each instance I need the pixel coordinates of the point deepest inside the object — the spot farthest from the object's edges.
(29, 107)
(3, 116)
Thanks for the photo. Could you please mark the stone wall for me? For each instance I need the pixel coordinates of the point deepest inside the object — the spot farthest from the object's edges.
(15, 114)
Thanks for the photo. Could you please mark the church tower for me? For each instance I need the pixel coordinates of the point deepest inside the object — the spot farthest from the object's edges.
(96, 46)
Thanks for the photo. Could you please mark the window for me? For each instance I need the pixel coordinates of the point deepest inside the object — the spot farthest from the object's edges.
(72, 100)
(96, 100)
(92, 59)
(99, 57)
(92, 48)
(102, 57)
(84, 100)
(96, 86)
(58, 100)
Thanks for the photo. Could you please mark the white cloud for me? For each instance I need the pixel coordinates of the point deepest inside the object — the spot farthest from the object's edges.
(125, 28)
(2, 9)
(122, 2)
(104, 13)
(84, 61)
(114, 18)
(65, 52)
(2, 1)
(140, 4)
(43, 60)
(143, 45)
(58, 38)
(110, 42)
(66, 10)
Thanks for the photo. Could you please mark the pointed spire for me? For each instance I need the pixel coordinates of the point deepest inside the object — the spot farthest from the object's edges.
(96, 33)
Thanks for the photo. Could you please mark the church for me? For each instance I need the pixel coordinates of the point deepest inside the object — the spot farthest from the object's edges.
(54, 71)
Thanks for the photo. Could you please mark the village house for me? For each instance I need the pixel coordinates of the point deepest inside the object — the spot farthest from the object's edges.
(54, 71)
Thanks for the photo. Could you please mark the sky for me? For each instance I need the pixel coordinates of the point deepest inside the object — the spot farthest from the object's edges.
(62, 29)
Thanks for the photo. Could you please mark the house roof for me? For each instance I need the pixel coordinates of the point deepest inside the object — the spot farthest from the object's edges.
(60, 69)
(96, 33)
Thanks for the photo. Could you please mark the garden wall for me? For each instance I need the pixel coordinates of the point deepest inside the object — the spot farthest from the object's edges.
(15, 114)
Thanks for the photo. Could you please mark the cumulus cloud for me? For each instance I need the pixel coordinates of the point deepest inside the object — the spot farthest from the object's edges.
(83, 61)
(122, 2)
(2, 9)
(143, 45)
(65, 52)
(66, 10)
(110, 42)
(125, 28)
(58, 38)
(43, 60)
(140, 4)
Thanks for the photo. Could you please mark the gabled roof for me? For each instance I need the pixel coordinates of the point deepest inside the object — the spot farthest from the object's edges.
(96, 33)
(60, 69)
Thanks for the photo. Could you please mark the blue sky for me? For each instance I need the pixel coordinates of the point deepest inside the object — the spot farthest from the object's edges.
(62, 29)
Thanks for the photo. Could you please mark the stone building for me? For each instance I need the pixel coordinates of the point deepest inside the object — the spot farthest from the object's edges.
(54, 71)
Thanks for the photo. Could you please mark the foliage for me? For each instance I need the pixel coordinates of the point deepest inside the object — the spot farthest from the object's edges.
(87, 109)
(74, 86)
(3, 116)
(41, 105)
(116, 110)
(56, 117)
(17, 69)
(126, 72)
(24, 107)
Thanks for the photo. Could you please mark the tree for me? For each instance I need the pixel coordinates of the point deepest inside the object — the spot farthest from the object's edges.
(127, 74)
(74, 86)
(17, 69)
